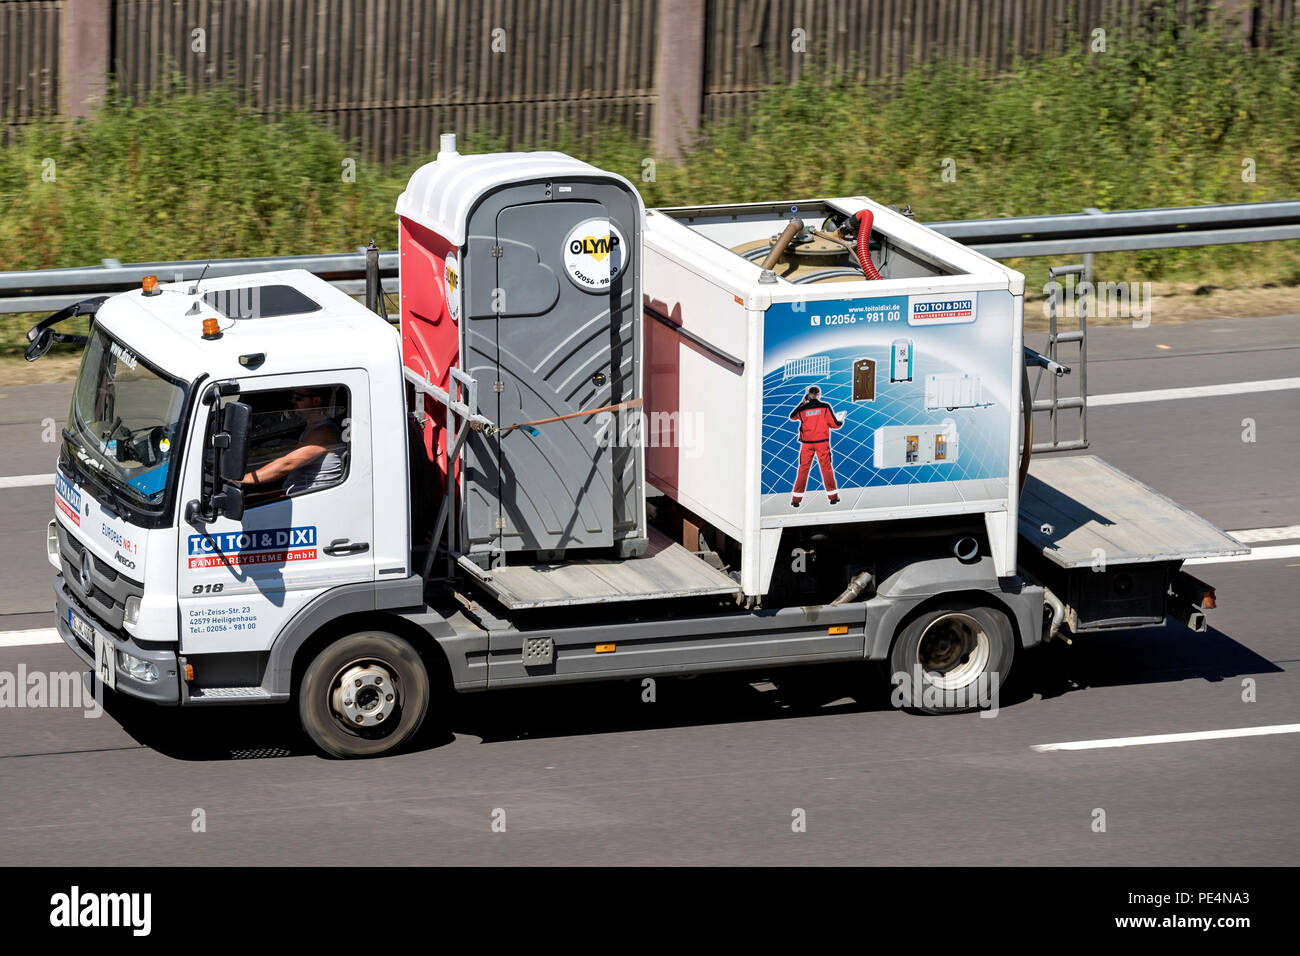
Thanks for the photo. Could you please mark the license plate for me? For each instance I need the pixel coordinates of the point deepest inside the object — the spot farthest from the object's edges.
(105, 661)
(83, 631)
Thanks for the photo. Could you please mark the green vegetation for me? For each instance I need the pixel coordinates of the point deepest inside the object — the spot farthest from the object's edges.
(184, 176)
(1163, 121)
(1158, 122)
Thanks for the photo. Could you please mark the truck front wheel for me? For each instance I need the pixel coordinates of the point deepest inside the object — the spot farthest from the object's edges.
(952, 659)
(364, 695)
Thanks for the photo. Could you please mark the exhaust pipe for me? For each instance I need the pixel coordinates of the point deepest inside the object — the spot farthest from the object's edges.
(1058, 614)
(855, 588)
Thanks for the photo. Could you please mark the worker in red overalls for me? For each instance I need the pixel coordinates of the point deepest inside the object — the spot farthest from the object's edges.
(816, 419)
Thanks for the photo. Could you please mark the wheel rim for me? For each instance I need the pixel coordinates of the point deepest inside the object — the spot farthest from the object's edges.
(365, 697)
(954, 651)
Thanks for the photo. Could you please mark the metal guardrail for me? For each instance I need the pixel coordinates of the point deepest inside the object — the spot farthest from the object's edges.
(48, 290)
(1025, 237)
(1095, 231)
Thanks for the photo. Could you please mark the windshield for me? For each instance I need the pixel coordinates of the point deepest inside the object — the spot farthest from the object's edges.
(123, 425)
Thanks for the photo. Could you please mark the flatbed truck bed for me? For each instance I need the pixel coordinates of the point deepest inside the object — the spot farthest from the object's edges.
(1073, 508)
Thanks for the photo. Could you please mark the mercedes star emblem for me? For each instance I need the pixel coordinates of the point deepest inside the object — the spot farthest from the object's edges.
(85, 571)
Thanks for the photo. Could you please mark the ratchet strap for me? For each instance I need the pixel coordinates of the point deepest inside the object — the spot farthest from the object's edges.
(528, 426)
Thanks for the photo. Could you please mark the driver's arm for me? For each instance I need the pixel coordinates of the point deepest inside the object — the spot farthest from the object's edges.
(304, 454)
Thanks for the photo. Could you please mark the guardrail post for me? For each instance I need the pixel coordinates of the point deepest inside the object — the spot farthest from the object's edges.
(1089, 257)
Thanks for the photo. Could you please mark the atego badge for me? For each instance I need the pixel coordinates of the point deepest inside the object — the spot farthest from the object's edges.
(595, 254)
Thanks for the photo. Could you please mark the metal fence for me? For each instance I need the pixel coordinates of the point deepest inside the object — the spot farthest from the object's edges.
(392, 74)
(1026, 237)
(29, 59)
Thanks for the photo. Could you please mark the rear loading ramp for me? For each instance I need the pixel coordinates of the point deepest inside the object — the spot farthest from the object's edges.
(667, 570)
(1110, 548)
(1077, 510)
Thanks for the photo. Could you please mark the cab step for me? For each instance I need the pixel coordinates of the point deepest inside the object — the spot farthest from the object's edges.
(233, 695)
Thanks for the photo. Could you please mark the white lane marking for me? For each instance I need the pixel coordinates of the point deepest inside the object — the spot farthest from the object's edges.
(1275, 553)
(1193, 391)
(26, 481)
(30, 638)
(1251, 535)
(1168, 738)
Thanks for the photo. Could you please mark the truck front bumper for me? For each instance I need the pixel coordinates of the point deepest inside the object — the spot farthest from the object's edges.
(164, 690)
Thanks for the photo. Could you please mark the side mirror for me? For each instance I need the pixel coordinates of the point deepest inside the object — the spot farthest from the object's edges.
(234, 446)
(40, 343)
(229, 502)
(232, 459)
(230, 444)
(42, 335)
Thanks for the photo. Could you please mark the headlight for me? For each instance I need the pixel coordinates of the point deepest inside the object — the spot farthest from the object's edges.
(131, 610)
(134, 667)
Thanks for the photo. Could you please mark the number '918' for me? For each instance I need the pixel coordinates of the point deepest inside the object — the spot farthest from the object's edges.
(207, 589)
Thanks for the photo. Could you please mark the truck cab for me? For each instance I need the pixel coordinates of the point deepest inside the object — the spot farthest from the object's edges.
(173, 583)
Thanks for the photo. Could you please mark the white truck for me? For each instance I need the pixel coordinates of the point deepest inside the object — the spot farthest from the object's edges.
(601, 443)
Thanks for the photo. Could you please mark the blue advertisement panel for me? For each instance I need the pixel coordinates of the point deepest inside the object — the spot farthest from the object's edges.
(886, 402)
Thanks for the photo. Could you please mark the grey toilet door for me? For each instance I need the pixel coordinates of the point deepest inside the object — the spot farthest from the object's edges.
(554, 353)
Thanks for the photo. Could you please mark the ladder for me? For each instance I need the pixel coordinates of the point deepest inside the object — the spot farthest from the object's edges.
(1056, 403)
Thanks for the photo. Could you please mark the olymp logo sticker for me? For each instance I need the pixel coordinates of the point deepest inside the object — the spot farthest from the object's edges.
(595, 254)
(451, 282)
(243, 548)
(957, 309)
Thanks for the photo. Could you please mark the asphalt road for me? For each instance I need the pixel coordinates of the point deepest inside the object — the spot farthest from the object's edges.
(714, 771)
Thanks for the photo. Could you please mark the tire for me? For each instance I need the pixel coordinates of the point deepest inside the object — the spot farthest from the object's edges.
(387, 703)
(952, 658)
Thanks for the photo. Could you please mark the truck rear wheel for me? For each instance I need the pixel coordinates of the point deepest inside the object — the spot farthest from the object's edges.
(952, 659)
(364, 695)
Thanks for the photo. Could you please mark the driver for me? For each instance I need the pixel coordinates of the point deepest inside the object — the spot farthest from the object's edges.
(317, 462)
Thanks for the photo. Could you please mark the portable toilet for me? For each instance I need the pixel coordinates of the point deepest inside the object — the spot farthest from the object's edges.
(523, 271)
(900, 361)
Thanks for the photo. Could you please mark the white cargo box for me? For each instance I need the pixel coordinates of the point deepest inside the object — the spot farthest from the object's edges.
(931, 353)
